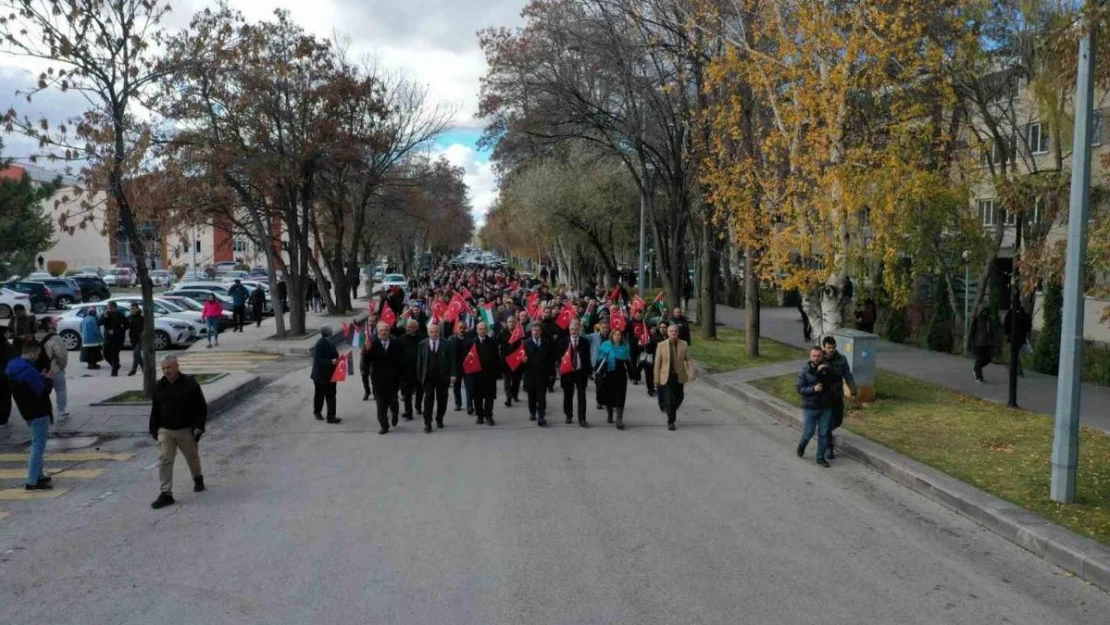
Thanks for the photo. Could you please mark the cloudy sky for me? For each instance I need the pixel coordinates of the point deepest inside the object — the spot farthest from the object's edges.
(433, 41)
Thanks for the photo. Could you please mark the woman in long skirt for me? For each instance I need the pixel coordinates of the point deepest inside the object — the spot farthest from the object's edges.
(91, 340)
(615, 359)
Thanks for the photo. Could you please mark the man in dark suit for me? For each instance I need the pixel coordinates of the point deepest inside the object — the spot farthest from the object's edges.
(435, 372)
(574, 383)
(410, 347)
(460, 345)
(537, 368)
(485, 381)
(324, 359)
(386, 361)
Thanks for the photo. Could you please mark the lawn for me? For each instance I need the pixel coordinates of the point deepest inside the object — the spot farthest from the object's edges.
(139, 397)
(1005, 452)
(728, 352)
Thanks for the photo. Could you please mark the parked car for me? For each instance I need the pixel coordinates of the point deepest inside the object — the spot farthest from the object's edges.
(200, 295)
(66, 291)
(167, 308)
(38, 275)
(120, 276)
(9, 298)
(92, 271)
(189, 303)
(258, 273)
(168, 332)
(226, 266)
(208, 285)
(232, 276)
(162, 277)
(194, 276)
(41, 297)
(93, 288)
(393, 280)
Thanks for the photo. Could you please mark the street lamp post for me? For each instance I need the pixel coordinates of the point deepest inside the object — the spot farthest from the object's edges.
(967, 301)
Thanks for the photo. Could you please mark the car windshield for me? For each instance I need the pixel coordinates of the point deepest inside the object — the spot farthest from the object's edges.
(186, 303)
(171, 305)
(395, 277)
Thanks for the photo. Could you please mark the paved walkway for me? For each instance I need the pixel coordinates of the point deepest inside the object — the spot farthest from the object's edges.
(1036, 392)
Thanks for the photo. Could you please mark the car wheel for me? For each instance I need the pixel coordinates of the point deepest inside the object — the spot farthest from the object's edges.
(39, 306)
(5, 311)
(161, 340)
(63, 302)
(71, 339)
(94, 298)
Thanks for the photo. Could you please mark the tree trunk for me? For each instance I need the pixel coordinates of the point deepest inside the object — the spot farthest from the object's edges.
(751, 303)
(710, 272)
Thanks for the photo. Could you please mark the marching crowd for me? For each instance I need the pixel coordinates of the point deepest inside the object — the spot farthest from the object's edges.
(467, 334)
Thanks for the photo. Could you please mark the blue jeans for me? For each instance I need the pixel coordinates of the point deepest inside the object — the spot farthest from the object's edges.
(40, 428)
(818, 419)
(213, 329)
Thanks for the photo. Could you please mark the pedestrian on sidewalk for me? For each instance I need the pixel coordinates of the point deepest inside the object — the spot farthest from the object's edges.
(115, 327)
(212, 313)
(985, 335)
(32, 397)
(840, 365)
(54, 359)
(239, 295)
(814, 384)
(435, 373)
(178, 416)
(1024, 327)
(672, 372)
(91, 340)
(5, 386)
(324, 358)
(283, 296)
(539, 362)
(258, 304)
(614, 367)
(135, 323)
(386, 361)
(678, 320)
(807, 329)
(364, 366)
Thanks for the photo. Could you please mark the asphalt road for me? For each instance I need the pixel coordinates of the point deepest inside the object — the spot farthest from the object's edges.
(718, 522)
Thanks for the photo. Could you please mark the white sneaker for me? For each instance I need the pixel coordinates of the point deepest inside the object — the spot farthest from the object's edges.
(63, 417)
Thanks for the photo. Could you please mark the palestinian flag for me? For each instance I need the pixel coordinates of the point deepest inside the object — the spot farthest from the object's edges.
(659, 301)
(486, 311)
(405, 316)
(356, 339)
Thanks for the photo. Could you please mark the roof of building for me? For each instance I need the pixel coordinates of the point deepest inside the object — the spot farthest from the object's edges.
(37, 173)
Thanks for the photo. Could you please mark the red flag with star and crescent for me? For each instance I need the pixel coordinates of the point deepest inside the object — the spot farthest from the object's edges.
(340, 373)
(518, 334)
(641, 332)
(439, 308)
(388, 316)
(465, 293)
(472, 364)
(514, 359)
(566, 315)
(638, 303)
(455, 308)
(567, 364)
(617, 320)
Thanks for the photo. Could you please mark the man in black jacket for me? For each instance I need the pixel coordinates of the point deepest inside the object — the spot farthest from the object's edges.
(5, 388)
(114, 328)
(574, 382)
(435, 372)
(485, 381)
(840, 365)
(324, 359)
(135, 335)
(410, 347)
(538, 367)
(177, 419)
(815, 383)
(460, 345)
(679, 319)
(386, 361)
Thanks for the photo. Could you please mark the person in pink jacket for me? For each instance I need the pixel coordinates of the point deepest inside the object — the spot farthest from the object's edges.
(212, 313)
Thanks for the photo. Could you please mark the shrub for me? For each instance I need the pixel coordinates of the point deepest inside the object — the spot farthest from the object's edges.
(768, 298)
(791, 298)
(940, 323)
(897, 326)
(179, 270)
(56, 267)
(1046, 355)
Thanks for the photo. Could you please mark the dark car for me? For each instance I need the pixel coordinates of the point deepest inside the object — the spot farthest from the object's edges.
(93, 289)
(41, 296)
(65, 291)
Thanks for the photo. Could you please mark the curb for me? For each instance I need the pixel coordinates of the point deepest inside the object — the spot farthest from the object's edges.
(292, 350)
(1081, 556)
(232, 397)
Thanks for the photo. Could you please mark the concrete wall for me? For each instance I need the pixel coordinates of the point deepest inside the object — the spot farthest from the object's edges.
(1092, 311)
(86, 246)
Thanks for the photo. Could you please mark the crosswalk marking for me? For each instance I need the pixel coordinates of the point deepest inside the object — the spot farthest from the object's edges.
(73, 456)
(224, 362)
(19, 494)
(75, 474)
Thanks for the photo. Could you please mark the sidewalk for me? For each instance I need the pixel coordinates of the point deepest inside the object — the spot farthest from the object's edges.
(1036, 392)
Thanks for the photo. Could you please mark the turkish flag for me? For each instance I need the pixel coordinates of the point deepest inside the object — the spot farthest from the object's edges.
(517, 335)
(439, 308)
(455, 308)
(465, 293)
(472, 364)
(514, 359)
(388, 316)
(340, 373)
(513, 286)
(374, 305)
(566, 315)
(346, 330)
(642, 333)
(638, 303)
(615, 294)
(567, 364)
(617, 321)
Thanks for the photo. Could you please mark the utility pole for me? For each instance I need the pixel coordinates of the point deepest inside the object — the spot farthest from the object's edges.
(1065, 443)
(1015, 322)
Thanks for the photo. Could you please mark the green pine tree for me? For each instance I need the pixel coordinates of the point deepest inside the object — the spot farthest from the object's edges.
(1046, 355)
(940, 324)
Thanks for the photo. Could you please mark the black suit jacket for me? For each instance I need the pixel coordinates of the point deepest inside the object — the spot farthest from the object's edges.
(540, 365)
(386, 365)
(489, 354)
(445, 355)
(583, 348)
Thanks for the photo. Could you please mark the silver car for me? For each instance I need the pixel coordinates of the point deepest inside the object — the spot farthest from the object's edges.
(167, 308)
(168, 332)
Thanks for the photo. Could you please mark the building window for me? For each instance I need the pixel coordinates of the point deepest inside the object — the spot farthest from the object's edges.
(992, 154)
(988, 212)
(197, 245)
(1038, 138)
(239, 245)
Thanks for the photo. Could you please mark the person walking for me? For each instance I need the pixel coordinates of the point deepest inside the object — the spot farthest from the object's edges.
(29, 390)
(410, 388)
(212, 313)
(1024, 324)
(843, 370)
(364, 367)
(672, 372)
(386, 362)
(115, 328)
(814, 384)
(678, 320)
(5, 386)
(21, 327)
(614, 367)
(283, 296)
(985, 336)
(435, 372)
(91, 340)
(596, 339)
(574, 381)
(539, 363)
(178, 416)
(485, 381)
(324, 359)
(135, 326)
(508, 346)
(258, 305)
(239, 295)
(55, 358)
(460, 345)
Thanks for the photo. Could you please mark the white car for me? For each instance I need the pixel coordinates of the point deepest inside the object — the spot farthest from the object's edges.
(8, 300)
(232, 276)
(161, 277)
(168, 332)
(120, 276)
(167, 308)
(393, 280)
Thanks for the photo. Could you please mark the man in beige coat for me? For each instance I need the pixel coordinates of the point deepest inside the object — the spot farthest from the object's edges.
(672, 371)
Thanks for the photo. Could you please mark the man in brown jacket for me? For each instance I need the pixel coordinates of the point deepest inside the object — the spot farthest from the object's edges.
(672, 371)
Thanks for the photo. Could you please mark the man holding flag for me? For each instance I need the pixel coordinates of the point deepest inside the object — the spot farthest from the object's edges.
(410, 347)
(575, 371)
(511, 338)
(539, 360)
(386, 362)
(325, 359)
(435, 372)
(488, 356)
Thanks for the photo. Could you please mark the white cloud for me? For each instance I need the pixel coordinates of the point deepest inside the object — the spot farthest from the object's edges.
(479, 178)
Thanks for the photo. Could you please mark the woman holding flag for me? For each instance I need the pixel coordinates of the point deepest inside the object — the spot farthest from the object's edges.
(614, 365)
